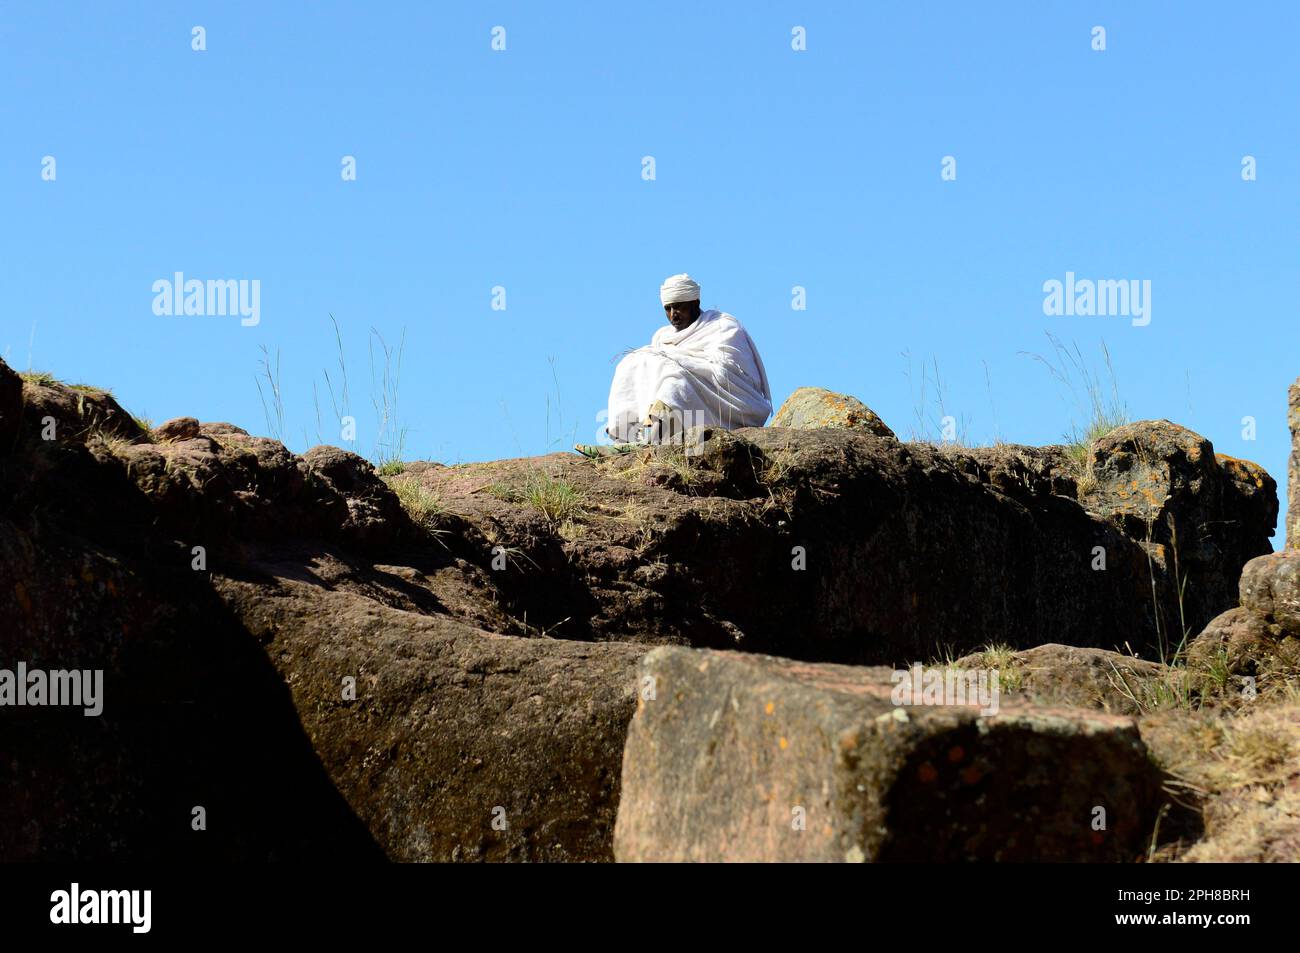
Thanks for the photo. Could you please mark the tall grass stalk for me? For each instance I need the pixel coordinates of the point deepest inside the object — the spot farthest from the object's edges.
(273, 409)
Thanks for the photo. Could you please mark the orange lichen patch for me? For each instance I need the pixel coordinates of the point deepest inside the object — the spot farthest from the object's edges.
(782, 743)
(971, 775)
(1098, 837)
(769, 708)
(87, 576)
(956, 754)
(1240, 469)
(926, 773)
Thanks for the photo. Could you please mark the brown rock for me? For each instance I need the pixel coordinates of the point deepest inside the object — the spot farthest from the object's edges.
(810, 407)
(1077, 677)
(1238, 638)
(78, 412)
(452, 729)
(749, 758)
(370, 512)
(178, 428)
(221, 428)
(1019, 471)
(1163, 486)
(1270, 588)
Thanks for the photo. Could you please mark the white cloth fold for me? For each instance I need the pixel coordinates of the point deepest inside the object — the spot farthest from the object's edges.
(710, 373)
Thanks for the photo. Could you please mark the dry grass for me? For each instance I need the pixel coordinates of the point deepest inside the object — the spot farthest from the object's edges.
(44, 378)
(1241, 771)
(422, 505)
(554, 497)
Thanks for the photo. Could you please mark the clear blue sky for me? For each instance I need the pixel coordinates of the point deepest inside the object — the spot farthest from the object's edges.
(774, 168)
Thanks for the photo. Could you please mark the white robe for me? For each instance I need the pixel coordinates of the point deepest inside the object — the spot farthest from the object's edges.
(710, 372)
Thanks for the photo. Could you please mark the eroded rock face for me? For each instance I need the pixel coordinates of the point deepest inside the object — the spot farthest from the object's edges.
(457, 744)
(193, 714)
(748, 758)
(1020, 471)
(1195, 514)
(314, 700)
(835, 544)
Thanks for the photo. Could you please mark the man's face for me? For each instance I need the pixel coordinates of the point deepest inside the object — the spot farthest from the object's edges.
(682, 314)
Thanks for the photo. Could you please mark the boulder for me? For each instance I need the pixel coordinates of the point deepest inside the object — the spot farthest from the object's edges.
(810, 407)
(1198, 516)
(178, 428)
(365, 507)
(1239, 640)
(1270, 588)
(1054, 674)
(749, 758)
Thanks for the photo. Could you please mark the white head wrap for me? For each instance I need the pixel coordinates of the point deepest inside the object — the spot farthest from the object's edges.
(679, 288)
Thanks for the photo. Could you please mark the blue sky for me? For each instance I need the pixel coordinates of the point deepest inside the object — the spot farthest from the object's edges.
(774, 168)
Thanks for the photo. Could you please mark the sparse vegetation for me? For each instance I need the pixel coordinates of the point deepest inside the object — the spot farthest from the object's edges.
(389, 449)
(1002, 658)
(943, 429)
(273, 410)
(1097, 405)
(44, 378)
(778, 463)
(504, 492)
(108, 442)
(422, 505)
(391, 468)
(390, 442)
(554, 497)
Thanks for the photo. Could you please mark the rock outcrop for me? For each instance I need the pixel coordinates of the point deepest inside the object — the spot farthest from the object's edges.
(867, 550)
(268, 677)
(304, 659)
(1260, 638)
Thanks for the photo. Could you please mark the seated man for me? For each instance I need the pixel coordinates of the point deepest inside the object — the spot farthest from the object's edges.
(701, 369)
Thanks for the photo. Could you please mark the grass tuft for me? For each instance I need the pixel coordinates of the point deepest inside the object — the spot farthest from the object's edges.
(554, 497)
(44, 378)
(422, 505)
